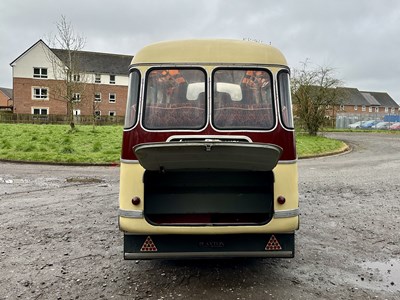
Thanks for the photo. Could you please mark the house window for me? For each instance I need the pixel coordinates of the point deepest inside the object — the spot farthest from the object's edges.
(363, 108)
(386, 109)
(370, 109)
(342, 107)
(393, 110)
(76, 97)
(112, 98)
(39, 73)
(376, 109)
(40, 93)
(355, 107)
(112, 113)
(112, 79)
(40, 111)
(76, 77)
(97, 113)
(77, 112)
(97, 78)
(97, 97)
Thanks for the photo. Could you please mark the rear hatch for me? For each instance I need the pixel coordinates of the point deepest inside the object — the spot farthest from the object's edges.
(208, 155)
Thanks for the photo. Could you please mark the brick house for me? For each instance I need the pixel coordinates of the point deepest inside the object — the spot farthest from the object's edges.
(364, 102)
(35, 85)
(6, 102)
(357, 105)
(363, 106)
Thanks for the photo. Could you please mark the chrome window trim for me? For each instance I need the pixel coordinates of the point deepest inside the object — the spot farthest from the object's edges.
(133, 214)
(280, 214)
(211, 137)
(129, 161)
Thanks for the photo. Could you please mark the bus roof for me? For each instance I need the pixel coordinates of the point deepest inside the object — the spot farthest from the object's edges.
(213, 51)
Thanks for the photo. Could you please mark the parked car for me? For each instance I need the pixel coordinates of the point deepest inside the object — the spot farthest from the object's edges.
(355, 125)
(368, 124)
(382, 125)
(395, 126)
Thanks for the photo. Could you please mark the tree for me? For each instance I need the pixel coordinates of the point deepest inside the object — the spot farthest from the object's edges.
(314, 93)
(95, 105)
(67, 66)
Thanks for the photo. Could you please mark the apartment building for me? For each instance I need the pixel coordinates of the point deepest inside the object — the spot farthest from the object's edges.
(37, 86)
(366, 102)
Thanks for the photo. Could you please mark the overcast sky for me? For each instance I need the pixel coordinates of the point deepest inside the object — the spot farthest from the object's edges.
(360, 39)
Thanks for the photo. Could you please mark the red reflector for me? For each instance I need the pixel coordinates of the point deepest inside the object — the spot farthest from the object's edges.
(281, 200)
(135, 200)
(273, 244)
(148, 246)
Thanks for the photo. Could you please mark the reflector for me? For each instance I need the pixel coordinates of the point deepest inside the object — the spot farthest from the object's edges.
(281, 200)
(135, 200)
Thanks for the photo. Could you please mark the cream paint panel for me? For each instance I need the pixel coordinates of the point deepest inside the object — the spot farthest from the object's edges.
(131, 185)
(140, 226)
(286, 184)
(206, 51)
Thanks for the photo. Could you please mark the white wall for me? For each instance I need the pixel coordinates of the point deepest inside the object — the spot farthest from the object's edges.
(39, 57)
(36, 57)
(105, 79)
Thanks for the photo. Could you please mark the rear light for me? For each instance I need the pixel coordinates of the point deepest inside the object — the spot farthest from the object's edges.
(281, 200)
(135, 200)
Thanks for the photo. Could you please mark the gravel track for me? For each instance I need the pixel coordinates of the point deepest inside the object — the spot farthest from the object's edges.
(60, 238)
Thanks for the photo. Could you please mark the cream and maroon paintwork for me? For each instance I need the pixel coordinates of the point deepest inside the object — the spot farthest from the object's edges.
(210, 54)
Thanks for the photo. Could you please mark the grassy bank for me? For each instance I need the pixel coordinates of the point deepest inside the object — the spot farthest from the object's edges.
(308, 146)
(56, 143)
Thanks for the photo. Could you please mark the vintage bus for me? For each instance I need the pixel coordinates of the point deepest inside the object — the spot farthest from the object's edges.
(208, 164)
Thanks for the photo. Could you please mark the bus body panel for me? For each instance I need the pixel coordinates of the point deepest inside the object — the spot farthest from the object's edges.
(285, 184)
(279, 137)
(208, 160)
(204, 52)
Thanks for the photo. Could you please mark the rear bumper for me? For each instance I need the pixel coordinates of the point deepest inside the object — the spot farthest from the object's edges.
(208, 246)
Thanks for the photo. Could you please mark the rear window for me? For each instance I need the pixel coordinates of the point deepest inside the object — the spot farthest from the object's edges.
(242, 99)
(133, 99)
(285, 99)
(175, 98)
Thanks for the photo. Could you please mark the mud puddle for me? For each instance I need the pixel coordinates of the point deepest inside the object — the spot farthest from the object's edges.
(381, 275)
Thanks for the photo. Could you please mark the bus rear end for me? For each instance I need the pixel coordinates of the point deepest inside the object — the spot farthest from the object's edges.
(208, 165)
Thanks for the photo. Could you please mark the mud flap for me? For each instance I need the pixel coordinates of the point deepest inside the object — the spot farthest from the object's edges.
(208, 246)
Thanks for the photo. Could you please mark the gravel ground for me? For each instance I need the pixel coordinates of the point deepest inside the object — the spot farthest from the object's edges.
(60, 237)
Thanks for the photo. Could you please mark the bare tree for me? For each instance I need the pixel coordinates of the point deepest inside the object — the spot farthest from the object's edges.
(67, 65)
(314, 95)
(95, 104)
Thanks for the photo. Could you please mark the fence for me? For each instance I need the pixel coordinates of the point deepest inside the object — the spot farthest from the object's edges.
(60, 119)
(343, 120)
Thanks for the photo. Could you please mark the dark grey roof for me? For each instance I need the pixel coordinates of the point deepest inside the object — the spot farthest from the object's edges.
(95, 62)
(382, 98)
(7, 92)
(352, 96)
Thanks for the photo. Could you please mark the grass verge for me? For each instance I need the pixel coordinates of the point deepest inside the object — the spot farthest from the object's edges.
(102, 145)
(309, 146)
(58, 144)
